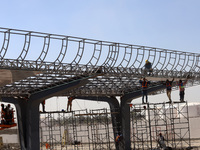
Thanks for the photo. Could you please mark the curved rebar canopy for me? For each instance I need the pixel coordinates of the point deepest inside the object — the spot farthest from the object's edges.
(33, 61)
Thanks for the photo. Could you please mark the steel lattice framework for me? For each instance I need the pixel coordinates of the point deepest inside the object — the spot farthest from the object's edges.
(112, 68)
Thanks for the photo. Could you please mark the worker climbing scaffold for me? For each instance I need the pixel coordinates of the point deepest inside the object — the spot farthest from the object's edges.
(161, 141)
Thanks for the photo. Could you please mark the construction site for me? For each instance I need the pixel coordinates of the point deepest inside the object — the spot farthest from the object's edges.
(93, 129)
(99, 71)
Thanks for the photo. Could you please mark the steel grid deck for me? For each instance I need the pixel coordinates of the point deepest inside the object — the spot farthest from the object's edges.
(112, 68)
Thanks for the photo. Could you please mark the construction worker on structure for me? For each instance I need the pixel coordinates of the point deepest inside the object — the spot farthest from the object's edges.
(148, 67)
(47, 145)
(9, 115)
(161, 141)
(118, 138)
(181, 85)
(69, 104)
(43, 106)
(169, 89)
(3, 114)
(144, 83)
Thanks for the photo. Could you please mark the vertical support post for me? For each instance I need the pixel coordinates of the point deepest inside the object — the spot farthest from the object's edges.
(28, 122)
(148, 107)
(32, 124)
(21, 115)
(188, 123)
(116, 119)
(125, 118)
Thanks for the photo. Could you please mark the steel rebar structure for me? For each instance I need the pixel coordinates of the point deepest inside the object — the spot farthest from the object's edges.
(122, 64)
(35, 66)
(149, 120)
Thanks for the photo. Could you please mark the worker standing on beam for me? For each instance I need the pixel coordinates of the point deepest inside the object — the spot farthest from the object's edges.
(169, 89)
(144, 83)
(181, 85)
(69, 104)
(43, 106)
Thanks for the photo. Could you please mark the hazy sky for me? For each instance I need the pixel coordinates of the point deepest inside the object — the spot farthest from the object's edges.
(170, 24)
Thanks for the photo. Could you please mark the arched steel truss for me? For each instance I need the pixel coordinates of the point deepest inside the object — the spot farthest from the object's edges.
(122, 64)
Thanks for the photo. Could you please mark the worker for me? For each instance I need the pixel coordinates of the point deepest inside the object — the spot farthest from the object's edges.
(3, 113)
(47, 145)
(161, 141)
(144, 83)
(43, 106)
(69, 104)
(181, 85)
(118, 138)
(9, 114)
(148, 67)
(169, 89)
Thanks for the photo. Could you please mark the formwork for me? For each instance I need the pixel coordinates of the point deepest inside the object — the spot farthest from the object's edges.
(76, 130)
(149, 120)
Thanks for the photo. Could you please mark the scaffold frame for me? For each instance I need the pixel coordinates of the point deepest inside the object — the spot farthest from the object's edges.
(170, 119)
(77, 130)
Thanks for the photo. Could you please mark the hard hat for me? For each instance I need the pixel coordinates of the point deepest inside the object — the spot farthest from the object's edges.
(146, 60)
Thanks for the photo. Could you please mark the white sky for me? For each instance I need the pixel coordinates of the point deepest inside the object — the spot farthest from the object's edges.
(170, 24)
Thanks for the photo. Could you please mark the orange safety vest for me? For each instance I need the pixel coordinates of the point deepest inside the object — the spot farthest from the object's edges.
(144, 84)
(70, 99)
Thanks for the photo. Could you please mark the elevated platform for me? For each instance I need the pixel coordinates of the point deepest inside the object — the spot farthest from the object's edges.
(6, 126)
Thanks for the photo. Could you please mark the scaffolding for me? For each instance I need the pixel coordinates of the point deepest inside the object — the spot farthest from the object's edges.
(170, 119)
(77, 130)
(93, 129)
